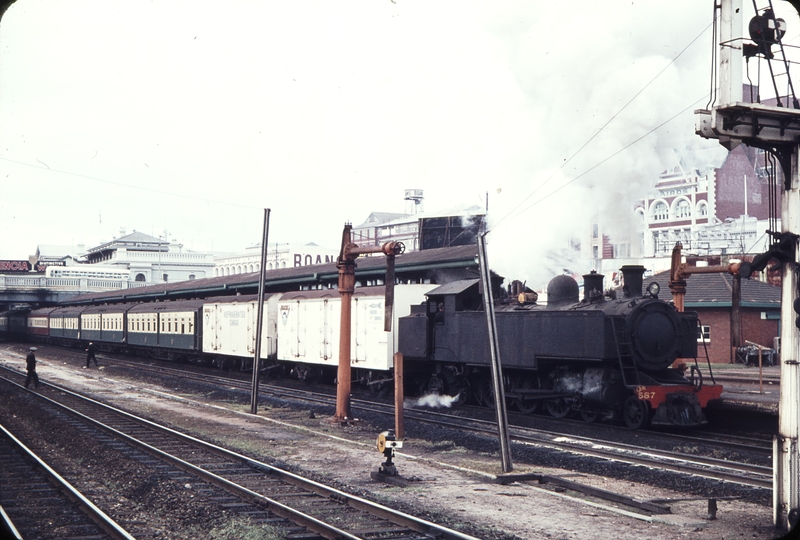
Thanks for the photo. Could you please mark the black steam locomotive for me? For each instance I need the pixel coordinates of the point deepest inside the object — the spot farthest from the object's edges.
(602, 357)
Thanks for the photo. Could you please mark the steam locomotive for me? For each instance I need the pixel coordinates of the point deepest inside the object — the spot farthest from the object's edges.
(602, 357)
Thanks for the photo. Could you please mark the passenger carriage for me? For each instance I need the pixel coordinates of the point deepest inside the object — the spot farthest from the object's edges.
(169, 326)
(38, 326)
(105, 325)
(65, 325)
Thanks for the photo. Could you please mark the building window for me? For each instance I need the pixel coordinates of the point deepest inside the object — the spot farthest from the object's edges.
(140, 277)
(595, 252)
(702, 209)
(683, 209)
(595, 230)
(164, 277)
(704, 334)
(660, 212)
(191, 276)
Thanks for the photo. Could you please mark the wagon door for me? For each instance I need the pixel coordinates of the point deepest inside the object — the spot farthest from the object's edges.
(269, 327)
(331, 319)
(291, 333)
(369, 341)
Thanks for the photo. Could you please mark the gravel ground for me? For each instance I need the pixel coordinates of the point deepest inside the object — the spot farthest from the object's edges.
(450, 474)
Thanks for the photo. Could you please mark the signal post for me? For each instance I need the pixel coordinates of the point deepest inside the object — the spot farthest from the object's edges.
(777, 130)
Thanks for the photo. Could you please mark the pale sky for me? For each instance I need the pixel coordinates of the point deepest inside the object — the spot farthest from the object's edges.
(194, 116)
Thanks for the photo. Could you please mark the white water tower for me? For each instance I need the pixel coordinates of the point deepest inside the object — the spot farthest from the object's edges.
(413, 201)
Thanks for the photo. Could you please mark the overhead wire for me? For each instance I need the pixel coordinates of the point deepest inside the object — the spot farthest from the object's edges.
(596, 133)
(121, 184)
(590, 169)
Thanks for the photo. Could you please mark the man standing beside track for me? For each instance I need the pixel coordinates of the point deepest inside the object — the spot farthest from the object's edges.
(91, 350)
(30, 362)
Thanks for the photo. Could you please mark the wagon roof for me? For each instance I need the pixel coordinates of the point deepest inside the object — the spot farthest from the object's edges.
(174, 305)
(118, 308)
(42, 312)
(67, 311)
(244, 298)
(333, 293)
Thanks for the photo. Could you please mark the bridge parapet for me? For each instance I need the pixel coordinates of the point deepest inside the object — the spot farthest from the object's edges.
(77, 285)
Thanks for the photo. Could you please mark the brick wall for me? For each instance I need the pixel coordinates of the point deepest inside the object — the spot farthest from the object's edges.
(754, 329)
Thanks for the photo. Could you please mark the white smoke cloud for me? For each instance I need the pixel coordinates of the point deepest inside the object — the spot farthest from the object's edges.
(431, 400)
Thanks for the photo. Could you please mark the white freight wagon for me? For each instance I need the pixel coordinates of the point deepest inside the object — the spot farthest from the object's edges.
(229, 326)
(309, 326)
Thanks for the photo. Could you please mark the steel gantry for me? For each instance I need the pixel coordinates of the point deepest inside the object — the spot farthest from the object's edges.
(776, 129)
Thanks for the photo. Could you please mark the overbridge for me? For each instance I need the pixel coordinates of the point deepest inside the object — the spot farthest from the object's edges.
(36, 289)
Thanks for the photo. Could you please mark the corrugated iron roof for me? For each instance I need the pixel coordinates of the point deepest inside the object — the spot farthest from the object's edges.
(286, 278)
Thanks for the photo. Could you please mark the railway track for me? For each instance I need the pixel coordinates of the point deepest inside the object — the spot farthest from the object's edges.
(36, 502)
(257, 488)
(718, 469)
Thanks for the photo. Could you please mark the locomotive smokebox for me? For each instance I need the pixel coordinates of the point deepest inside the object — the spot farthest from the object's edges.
(593, 287)
(633, 276)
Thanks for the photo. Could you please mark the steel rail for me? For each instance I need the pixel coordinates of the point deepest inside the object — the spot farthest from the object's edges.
(8, 528)
(324, 529)
(697, 465)
(624, 452)
(111, 527)
(749, 444)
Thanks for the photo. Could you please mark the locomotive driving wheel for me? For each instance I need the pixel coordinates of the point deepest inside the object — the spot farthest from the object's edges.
(484, 393)
(435, 385)
(636, 413)
(463, 390)
(558, 408)
(527, 405)
(589, 415)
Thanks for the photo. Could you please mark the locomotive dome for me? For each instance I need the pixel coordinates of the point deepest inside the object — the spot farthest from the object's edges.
(562, 290)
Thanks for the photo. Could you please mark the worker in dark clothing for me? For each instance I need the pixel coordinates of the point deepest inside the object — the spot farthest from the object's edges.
(439, 317)
(90, 354)
(30, 361)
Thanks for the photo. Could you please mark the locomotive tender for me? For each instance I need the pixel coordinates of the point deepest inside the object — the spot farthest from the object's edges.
(603, 357)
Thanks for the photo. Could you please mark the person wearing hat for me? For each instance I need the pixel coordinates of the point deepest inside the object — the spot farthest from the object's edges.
(90, 354)
(30, 361)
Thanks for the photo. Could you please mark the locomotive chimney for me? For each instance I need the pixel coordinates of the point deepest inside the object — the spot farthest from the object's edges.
(592, 287)
(632, 276)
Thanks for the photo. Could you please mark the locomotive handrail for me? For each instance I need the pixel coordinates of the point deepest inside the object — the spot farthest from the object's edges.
(699, 384)
(619, 355)
(708, 359)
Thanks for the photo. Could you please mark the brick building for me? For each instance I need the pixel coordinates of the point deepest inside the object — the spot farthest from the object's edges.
(710, 296)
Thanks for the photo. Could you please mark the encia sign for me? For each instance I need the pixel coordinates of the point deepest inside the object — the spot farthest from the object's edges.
(15, 266)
